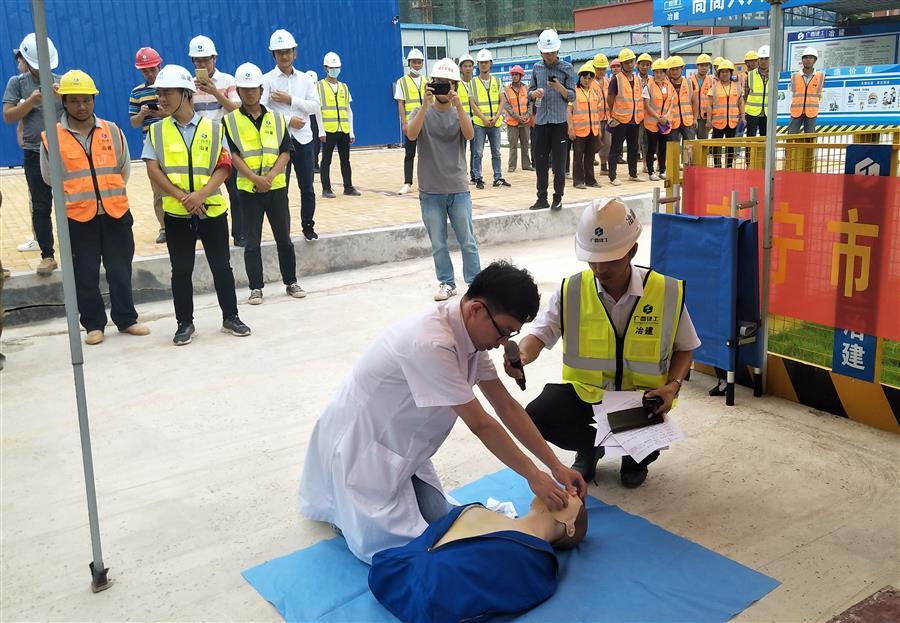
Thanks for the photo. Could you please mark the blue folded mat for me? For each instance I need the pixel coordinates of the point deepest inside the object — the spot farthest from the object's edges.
(627, 569)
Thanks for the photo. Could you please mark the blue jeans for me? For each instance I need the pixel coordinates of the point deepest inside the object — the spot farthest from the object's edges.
(436, 209)
(493, 135)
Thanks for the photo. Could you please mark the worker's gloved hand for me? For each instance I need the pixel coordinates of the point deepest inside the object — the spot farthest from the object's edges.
(549, 491)
(571, 479)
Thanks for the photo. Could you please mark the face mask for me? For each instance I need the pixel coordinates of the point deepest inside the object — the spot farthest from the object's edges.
(414, 72)
(334, 72)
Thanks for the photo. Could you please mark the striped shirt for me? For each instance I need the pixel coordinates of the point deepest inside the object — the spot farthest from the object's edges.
(143, 95)
(552, 108)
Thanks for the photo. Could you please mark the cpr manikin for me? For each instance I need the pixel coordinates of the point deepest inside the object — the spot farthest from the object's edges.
(475, 563)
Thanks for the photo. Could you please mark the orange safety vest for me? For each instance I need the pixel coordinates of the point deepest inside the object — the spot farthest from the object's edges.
(95, 178)
(601, 86)
(518, 101)
(725, 110)
(662, 98)
(805, 100)
(629, 106)
(586, 112)
(683, 110)
(704, 92)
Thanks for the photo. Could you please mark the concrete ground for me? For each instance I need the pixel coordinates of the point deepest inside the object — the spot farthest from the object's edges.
(198, 452)
(377, 173)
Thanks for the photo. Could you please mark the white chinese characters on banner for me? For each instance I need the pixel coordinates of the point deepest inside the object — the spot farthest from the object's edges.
(853, 354)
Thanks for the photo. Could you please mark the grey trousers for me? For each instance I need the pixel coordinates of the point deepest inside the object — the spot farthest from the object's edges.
(519, 135)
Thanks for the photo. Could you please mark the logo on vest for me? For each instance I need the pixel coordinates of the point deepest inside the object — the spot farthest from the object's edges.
(648, 309)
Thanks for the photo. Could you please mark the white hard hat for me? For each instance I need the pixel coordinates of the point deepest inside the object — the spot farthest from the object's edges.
(201, 46)
(763, 51)
(607, 231)
(484, 55)
(312, 75)
(466, 57)
(248, 75)
(810, 51)
(28, 50)
(174, 77)
(445, 68)
(548, 41)
(332, 60)
(282, 40)
(415, 55)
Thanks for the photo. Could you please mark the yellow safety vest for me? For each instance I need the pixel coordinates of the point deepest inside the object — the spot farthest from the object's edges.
(335, 107)
(487, 99)
(189, 167)
(259, 148)
(595, 358)
(462, 90)
(756, 105)
(412, 94)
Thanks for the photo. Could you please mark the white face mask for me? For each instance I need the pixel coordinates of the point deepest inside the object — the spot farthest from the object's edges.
(334, 72)
(414, 72)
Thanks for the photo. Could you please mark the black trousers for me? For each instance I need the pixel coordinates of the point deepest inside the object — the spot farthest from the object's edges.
(302, 162)
(584, 148)
(656, 150)
(274, 206)
(565, 420)
(624, 133)
(317, 144)
(725, 132)
(341, 140)
(181, 239)
(111, 241)
(551, 149)
(756, 125)
(234, 207)
(409, 160)
(41, 202)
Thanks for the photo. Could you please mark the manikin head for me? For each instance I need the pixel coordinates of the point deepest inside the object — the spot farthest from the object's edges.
(572, 519)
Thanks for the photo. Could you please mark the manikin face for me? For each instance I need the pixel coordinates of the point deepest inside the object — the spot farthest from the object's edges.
(565, 516)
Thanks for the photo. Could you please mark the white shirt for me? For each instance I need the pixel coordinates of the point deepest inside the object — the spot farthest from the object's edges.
(304, 99)
(547, 327)
(206, 104)
(398, 90)
(383, 425)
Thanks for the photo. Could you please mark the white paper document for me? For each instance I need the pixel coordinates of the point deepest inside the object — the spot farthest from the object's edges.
(640, 442)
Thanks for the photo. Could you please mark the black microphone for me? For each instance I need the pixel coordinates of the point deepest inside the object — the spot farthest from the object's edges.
(515, 360)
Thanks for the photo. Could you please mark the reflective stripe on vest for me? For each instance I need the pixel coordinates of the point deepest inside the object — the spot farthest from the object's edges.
(487, 99)
(601, 85)
(462, 90)
(757, 99)
(703, 88)
(95, 178)
(412, 94)
(660, 104)
(725, 111)
(805, 100)
(586, 112)
(682, 109)
(335, 107)
(518, 101)
(189, 167)
(260, 148)
(629, 106)
(595, 358)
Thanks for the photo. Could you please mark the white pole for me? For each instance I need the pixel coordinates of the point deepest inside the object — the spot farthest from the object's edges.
(664, 41)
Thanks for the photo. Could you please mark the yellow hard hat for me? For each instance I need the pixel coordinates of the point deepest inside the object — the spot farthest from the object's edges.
(601, 61)
(76, 82)
(625, 55)
(751, 55)
(725, 64)
(645, 57)
(659, 63)
(676, 61)
(704, 58)
(588, 67)
(717, 61)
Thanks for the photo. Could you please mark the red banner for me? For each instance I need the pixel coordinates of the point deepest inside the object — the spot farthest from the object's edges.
(835, 244)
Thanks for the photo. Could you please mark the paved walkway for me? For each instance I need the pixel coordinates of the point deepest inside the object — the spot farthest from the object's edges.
(378, 173)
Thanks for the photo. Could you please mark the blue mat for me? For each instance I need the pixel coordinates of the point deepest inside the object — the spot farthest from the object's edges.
(627, 569)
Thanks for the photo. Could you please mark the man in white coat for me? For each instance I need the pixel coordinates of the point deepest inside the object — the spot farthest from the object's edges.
(368, 469)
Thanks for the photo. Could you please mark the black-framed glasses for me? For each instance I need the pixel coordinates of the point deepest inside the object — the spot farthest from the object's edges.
(503, 335)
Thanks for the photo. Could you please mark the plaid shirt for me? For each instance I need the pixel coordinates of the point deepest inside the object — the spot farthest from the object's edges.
(552, 108)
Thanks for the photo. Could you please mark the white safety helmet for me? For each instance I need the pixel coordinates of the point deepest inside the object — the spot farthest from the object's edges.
(248, 76)
(763, 51)
(332, 60)
(549, 41)
(466, 57)
(175, 77)
(810, 51)
(607, 231)
(484, 55)
(282, 40)
(201, 46)
(445, 68)
(415, 55)
(312, 75)
(28, 50)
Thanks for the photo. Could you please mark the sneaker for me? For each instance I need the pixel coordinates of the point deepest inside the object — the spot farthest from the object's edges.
(351, 191)
(235, 327)
(444, 292)
(184, 334)
(580, 186)
(540, 204)
(479, 184)
(256, 297)
(634, 178)
(557, 204)
(29, 245)
(328, 193)
(404, 189)
(161, 238)
(616, 182)
(662, 176)
(512, 170)
(310, 234)
(654, 177)
(594, 184)
(46, 267)
(295, 290)
(93, 337)
(136, 329)
(501, 182)
(528, 168)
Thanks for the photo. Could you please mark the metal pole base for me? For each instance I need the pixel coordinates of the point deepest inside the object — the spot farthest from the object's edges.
(757, 382)
(729, 395)
(100, 581)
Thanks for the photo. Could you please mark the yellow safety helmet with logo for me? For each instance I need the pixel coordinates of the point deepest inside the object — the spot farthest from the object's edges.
(704, 58)
(76, 82)
(659, 63)
(675, 61)
(625, 55)
(645, 57)
(725, 64)
(588, 67)
(717, 61)
(600, 61)
(751, 55)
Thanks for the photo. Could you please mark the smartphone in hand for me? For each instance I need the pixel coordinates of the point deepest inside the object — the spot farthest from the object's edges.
(439, 88)
(202, 74)
(551, 79)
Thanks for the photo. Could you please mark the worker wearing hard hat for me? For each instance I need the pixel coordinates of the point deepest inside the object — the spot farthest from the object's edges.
(584, 128)
(143, 111)
(464, 90)
(293, 94)
(260, 150)
(191, 179)
(751, 62)
(625, 328)
(659, 100)
(701, 82)
(626, 105)
(552, 88)
(726, 104)
(684, 112)
(96, 165)
(22, 102)
(601, 84)
(409, 93)
(806, 93)
(644, 61)
(337, 123)
(487, 102)
(756, 95)
(518, 120)
(442, 126)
